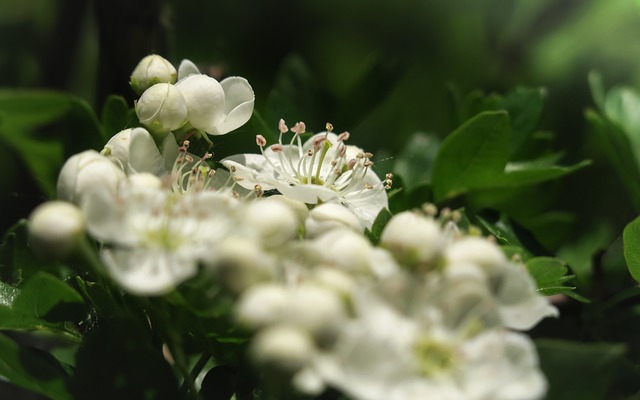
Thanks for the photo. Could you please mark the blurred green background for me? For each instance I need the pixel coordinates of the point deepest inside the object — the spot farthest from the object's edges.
(383, 70)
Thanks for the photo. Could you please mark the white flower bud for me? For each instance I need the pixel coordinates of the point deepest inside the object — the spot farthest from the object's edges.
(345, 249)
(56, 227)
(285, 348)
(273, 221)
(84, 172)
(240, 263)
(329, 216)
(162, 108)
(151, 70)
(412, 238)
(316, 309)
(205, 101)
(298, 207)
(476, 251)
(262, 305)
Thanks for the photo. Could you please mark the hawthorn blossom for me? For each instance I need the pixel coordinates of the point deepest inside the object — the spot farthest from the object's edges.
(323, 169)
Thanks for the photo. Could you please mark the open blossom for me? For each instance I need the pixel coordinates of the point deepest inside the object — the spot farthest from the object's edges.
(323, 169)
(382, 354)
(155, 238)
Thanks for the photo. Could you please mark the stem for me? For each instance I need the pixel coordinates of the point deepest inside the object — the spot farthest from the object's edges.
(197, 368)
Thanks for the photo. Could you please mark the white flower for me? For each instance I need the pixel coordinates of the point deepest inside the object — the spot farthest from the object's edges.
(274, 222)
(56, 227)
(520, 306)
(283, 347)
(215, 107)
(381, 355)
(150, 70)
(162, 108)
(157, 238)
(85, 172)
(324, 169)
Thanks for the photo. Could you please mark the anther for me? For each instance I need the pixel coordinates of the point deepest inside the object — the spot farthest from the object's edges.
(282, 126)
(299, 128)
(344, 136)
(261, 141)
(329, 127)
(351, 163)
(277, 147)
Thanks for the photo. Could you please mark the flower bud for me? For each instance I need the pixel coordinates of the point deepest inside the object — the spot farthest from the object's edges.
(84, 172)
(262, 305)
(346, 250)
(316, 309)
(240, 263)
(56, 227)
(273, 221)
(477, 251)
(204, 99)
(151, 70)
(285, 348)
(413, 239)
(329, 216)
(161, 108)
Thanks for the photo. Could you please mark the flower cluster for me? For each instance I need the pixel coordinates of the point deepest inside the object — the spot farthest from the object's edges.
(429, 311)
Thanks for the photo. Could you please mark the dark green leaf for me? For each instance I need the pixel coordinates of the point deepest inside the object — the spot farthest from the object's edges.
(597, 89)
(219, 383)
(33, 370)
(116, 115)
(618, 150)
(594, 363)
(415, 161)
(380, 222)
(42, 303)
(472, 156)
(120, 359)
(631, 238)
(525, 108)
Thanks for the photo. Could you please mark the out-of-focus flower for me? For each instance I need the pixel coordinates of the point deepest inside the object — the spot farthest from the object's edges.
(155, 237)
(56, 227)
(85, 172)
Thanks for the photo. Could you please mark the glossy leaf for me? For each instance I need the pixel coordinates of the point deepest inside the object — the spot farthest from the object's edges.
(379, 223)
(415, 162)
(472, 156)
(631, 238)
(33, 369)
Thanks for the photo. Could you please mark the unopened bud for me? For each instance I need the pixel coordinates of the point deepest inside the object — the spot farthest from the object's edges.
(284, 348)
(413, 239)
(162, 108)
(56, 228)
(328, 216)
(85, 172)
(205, 100)
(151, 70)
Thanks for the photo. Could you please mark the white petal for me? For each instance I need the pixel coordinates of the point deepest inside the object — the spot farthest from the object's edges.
(248, 167)
(148, 272)
(310, 194)
(144, 155)
(170, 151)
(105, 221)
(239, 101)
(205, 100)
(187, 68)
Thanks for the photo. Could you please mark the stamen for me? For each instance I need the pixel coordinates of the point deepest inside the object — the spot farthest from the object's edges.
(344, 136)
(329, 127)
(282, 127)
(261, 141)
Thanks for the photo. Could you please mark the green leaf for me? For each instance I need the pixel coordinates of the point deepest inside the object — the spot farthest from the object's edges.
(42, 303)
(415, 162)
(472, 156)
(597, 89)
(594, 363)
(618, 149)
(548, 271)
(525, 108)
(121, 359)
(116, 115)
(33, 369)
(380, 222)
(631, 240)
(529, 172)
(44, 128)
